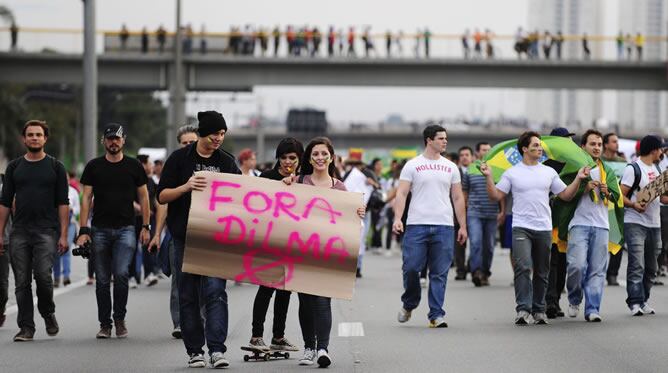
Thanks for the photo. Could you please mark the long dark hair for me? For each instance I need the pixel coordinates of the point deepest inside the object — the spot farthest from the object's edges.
(286, 146)
(307, 168)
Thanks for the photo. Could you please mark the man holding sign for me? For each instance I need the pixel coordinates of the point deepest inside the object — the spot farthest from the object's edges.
(642, 225)
(176, 184)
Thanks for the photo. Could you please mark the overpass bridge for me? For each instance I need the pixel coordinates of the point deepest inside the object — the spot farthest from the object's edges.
(237, 73)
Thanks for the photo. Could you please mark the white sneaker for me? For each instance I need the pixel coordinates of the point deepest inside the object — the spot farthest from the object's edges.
(648, 310)
(323, 359)
(388, 253)
(573, 310)
(403, 315)
(218, 360)
(133, 284)
(522, 318)
(196, 361)
(593, 317)
(151, 280)
(423, 283)
(636, 310)
(307, 359)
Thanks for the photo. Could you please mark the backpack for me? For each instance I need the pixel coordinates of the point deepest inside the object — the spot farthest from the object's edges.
(637, 175)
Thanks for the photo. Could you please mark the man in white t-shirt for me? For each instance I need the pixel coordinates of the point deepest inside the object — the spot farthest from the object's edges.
(430, 235)
(642, 226)
(531, 184)
(588, 235)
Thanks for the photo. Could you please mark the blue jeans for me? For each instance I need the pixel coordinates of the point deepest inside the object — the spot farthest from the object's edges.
(482, 233)
(644, 246)
(212, 290)
(66, 259)
(432, 244)
(113, 249)
(366, 223)
(587, 265)
(530, 255)
(31, 255)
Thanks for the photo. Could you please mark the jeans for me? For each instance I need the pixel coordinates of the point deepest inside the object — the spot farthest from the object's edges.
(366, 223)
(644, 245)
(174, 308)
(556, 280)
(530, 252)
(113, 249)
(482, 234)
(587, 264)
(211, 291)
(261, 305)
(66, 259)
(32, 255)
(614, 263)
(432, 244)
(315, 319)
(4, 279)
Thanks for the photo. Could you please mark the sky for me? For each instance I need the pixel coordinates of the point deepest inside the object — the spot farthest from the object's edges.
(343, 104)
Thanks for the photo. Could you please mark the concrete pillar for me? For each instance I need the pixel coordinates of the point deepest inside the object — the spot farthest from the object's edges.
(90, 83)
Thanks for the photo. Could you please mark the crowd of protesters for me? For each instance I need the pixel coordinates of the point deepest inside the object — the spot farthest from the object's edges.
(431, 208)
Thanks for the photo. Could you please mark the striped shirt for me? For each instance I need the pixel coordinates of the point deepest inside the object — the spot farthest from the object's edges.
(479, 204)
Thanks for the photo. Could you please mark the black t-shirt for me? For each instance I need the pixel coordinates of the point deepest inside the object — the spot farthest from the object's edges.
(39, 188)
(272, 174)
(114, 189)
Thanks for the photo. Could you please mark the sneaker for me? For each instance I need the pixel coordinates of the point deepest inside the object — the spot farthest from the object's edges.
(282, 344)
(51, 325)
(66, 281)
(218, 360)
(657, 282)
(388, 253)
(150, 280)
(121, 330)
(323, 359)
(358, 274)
(460, 277)
(56, 283)
(438, 322)
(539, 318)
(258, 344)
(484, 280)
(551, 312)
(307, 359)
(646, 309)
(522, 318)
(593, 317)
(104, 333)
(196, 361)
(636, 310)
(403, 315)
(24, 335)
(176, 333)
(573, 310)
(3, 317)
(133, 284)
(423, 283)
(560, 313)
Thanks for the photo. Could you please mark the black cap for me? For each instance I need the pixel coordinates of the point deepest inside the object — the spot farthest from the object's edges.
(210, 122)
(650, 143)
(561, 132)
(113, 130)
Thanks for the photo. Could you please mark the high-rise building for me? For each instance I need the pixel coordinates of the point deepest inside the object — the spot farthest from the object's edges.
(643, 111)
(574, 109)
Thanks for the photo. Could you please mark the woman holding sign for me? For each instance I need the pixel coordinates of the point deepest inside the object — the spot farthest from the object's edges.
(315, 312)
(288, 154)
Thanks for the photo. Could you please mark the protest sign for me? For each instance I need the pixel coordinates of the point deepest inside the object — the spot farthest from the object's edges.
(656, 188)
(297, 237)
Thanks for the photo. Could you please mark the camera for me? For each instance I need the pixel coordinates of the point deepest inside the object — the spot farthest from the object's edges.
(83, 250)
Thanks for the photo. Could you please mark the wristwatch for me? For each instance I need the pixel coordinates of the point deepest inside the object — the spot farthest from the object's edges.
(146, 226)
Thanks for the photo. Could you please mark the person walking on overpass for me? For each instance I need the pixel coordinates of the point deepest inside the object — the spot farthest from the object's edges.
(35, 187)
(531, 184)
(429, 232)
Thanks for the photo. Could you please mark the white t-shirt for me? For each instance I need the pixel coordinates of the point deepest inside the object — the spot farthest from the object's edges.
(356, 182)
(651, 218)
(589, 213)
(430, 187)
(531, 187)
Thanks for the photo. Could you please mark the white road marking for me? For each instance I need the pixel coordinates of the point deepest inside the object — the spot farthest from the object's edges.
(351, 329)
(60, 291)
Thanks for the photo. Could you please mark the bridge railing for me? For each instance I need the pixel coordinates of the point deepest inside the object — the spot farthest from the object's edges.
(602, 47)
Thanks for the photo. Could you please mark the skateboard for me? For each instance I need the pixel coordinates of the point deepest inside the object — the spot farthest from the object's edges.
(257, 354)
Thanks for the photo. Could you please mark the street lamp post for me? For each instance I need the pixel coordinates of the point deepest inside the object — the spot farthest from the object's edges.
(177, 94)
(90, 82)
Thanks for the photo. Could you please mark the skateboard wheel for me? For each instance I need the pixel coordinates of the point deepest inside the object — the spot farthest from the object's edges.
(246, 358)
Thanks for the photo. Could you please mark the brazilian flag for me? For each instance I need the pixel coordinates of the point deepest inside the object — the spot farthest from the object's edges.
(566, 157)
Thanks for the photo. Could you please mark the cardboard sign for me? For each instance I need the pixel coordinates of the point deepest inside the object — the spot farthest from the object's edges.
(656, 188)
(292, 237)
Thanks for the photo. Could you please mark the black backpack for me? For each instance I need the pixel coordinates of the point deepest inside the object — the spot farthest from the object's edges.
(637, 175)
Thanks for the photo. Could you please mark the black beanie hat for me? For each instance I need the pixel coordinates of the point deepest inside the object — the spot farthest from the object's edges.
(210, 122)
